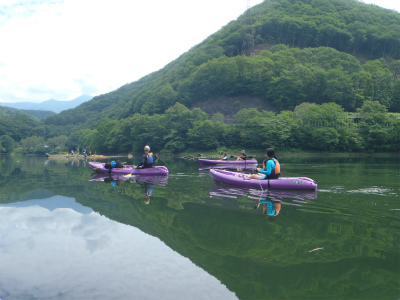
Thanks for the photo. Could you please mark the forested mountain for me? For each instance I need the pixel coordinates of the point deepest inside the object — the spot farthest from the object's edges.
(325, 40)
(340, 55)
(16, 125)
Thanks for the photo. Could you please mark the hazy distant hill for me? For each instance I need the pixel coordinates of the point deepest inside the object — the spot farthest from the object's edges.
(34, 114)
(40, 114)
(49, 105)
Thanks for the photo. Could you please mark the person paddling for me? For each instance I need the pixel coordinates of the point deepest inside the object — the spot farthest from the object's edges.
(242, 156)
(147, 159)
(271, 168)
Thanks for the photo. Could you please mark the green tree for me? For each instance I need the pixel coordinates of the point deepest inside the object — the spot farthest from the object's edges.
(375, 125)
(7, 144)
(32, 142)
(206, 135)
(58, 141)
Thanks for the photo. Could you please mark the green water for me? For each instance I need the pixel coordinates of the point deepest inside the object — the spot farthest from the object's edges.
(66, 235)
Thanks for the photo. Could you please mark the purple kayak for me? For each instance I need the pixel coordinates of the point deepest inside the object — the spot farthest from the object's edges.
(283, 183)
(228, 162)
(221, 166)
(128, 169)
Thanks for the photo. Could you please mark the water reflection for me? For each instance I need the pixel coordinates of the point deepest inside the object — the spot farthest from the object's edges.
(270, 207)
(147, 183)
(107, 178)
(74, 253)
(80, 254)
(269, 200)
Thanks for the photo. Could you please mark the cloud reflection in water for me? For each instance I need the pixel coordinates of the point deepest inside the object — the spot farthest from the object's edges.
(74, 253)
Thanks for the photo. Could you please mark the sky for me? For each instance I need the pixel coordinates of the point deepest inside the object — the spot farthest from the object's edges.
(61, 49)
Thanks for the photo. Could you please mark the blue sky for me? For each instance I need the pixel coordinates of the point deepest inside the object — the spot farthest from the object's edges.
(61, 49)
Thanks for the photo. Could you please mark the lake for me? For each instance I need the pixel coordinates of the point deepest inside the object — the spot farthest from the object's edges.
(66, 233)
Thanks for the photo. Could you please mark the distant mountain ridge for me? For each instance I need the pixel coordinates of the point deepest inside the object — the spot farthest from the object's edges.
(49, 105)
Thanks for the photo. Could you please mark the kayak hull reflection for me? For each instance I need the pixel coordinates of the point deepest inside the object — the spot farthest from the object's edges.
(229, 191)
(128, 169)
(157, 180)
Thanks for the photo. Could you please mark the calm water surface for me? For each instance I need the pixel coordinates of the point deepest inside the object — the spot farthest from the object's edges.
(66, 233)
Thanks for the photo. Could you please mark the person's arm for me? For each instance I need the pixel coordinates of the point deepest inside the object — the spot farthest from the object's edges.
(270, 167)
(144, 157)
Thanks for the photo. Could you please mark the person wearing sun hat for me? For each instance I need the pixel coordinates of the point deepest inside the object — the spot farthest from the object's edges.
(242, 156)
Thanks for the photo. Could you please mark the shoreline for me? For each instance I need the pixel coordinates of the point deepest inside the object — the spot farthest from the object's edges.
(289, 154)
(215, 155)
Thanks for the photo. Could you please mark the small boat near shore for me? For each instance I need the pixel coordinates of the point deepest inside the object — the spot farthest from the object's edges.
(239, 167)
(283, 183)
(228, 162)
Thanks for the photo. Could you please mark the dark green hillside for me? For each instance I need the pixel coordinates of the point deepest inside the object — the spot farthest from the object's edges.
(39, 114)
(336, 51)
(18, 124)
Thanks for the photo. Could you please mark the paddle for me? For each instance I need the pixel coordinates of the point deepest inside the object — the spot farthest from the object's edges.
(132, 171)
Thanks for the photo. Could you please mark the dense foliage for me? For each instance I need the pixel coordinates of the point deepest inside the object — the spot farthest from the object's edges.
(305, 51)
(19, 125)
(310, 126)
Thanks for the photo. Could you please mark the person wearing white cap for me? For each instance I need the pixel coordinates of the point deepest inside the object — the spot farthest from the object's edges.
(147, 159)
(242, 156)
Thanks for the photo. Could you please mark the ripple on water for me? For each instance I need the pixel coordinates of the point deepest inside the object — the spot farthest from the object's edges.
(373, 190)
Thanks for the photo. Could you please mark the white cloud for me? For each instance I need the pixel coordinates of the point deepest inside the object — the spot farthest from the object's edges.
(54, 49)
(64, 254)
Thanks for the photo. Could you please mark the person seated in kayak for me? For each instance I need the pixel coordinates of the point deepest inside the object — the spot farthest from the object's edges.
(147, 159)
(271, 168)
(242, 156)
(225, 157)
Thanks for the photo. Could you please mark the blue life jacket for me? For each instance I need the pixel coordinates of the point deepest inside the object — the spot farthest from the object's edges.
(150, 158)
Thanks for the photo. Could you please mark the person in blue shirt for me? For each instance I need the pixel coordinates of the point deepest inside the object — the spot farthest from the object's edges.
(225, 157)
(271, 168)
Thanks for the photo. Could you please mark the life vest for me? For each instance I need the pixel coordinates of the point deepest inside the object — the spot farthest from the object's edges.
(275, 171)
(150, 158)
